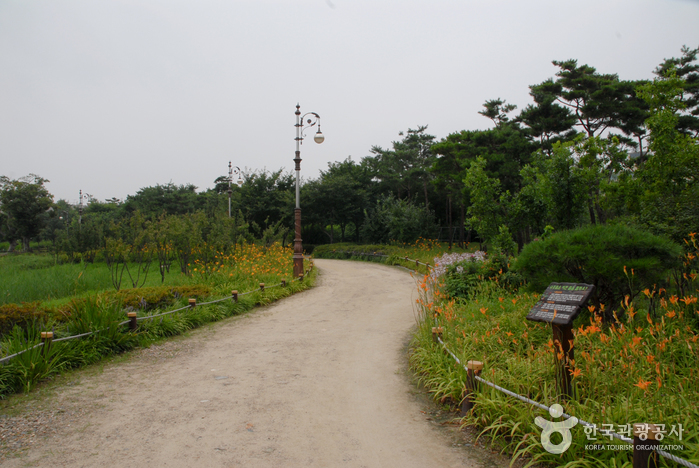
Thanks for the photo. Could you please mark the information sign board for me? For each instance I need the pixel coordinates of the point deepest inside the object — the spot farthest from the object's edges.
(561, 303)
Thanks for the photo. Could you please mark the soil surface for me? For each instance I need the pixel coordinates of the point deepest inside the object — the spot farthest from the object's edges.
(315, 380)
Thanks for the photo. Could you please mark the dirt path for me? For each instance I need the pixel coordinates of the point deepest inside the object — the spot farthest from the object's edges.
(314, 380)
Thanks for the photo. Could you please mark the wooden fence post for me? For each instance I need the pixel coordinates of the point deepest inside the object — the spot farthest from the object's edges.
(234, 293)
(437, 333)
(46, 338)
(262, 286)
(283, 283)
(300, 276)
(192, 303)
(474, 369)
(644, 454)
(133, 321)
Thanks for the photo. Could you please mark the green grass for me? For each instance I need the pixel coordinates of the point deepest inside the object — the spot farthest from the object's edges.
(36, 277)
(634, 372)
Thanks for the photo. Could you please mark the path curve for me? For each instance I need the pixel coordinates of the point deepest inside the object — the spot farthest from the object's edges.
(314, 380)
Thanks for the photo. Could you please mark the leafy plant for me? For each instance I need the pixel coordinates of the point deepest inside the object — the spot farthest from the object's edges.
(619, 260)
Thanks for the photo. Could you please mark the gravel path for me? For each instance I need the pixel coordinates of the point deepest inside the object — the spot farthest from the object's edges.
(317, 379)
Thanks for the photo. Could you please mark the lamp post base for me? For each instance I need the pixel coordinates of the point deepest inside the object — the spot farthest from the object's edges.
(298, 248)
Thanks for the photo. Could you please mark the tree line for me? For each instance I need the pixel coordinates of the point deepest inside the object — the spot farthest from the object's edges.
(590, 149)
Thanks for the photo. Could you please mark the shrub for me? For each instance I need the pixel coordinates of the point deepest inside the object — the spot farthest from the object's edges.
(26, 313)
(504, 243)
(463, 277)
(617, 259)
(21, 315)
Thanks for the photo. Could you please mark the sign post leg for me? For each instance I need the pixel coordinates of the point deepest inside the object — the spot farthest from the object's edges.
(564, 354)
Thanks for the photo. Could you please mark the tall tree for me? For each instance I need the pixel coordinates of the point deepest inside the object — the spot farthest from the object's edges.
(497, 110)
(668, 182)
(505, 149)
(404, 169)
(686, 69)
(593, 98)
(547, 120)
(339, 197)
(168, 199)
(448, 178)
(22, 204)
(488, 209)
(267, 198)
(559, 184)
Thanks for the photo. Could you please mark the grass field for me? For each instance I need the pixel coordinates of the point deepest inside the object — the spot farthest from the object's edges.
(36, 277)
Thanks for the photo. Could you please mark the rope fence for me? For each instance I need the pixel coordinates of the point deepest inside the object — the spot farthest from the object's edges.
(47, 337)
(641, 455)
(474, 369)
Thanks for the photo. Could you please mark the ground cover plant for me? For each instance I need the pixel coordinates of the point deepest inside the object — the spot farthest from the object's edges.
(105, 313)
(642, 367)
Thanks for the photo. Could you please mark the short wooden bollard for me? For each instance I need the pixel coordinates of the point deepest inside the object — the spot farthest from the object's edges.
(192, 303)
(474, 369)
(262, 286)
(234, 293)
(283, 283)
(46, 338)
(133, 321)
(300, 276)
(437, 333)
(644, 454)
(417, 263)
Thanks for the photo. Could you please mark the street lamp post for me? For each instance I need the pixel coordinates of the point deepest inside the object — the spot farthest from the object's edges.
(232, 170)
(308, 120)
(80, 210)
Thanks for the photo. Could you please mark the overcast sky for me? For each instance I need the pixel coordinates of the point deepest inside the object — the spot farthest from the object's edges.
(111, 96)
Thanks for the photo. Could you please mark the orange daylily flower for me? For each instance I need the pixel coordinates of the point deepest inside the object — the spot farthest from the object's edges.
(643, 384)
